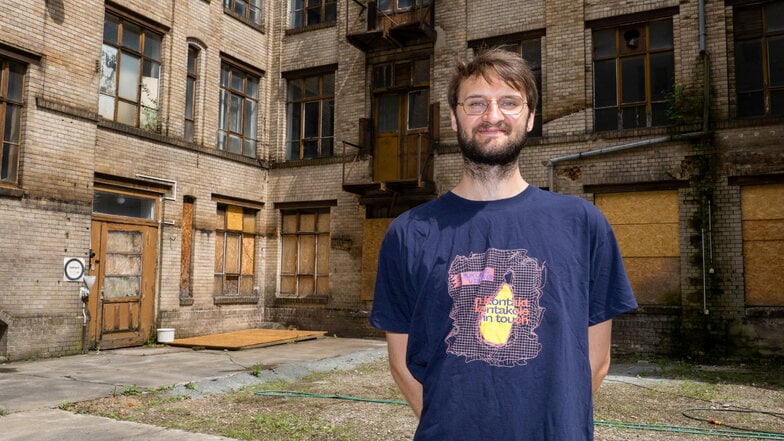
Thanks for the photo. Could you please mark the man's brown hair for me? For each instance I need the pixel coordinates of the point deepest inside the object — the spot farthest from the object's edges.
(508, 66)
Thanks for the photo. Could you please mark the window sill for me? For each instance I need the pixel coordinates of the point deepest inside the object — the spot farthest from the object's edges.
(315, 27)
(765, 312)
(11, 192)
(312, 300)
(235, 300)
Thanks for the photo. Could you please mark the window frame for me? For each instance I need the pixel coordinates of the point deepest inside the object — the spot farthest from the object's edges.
(763, 37)
(322, 241)
(226, 94)
(302, 102)
(150, 110)
(299, 15)
(191, 91)
(233, 7)
(247, 231)
(653, 117)
(11, 149)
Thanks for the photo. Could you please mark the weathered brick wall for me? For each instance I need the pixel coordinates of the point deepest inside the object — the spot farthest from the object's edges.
(47, 217)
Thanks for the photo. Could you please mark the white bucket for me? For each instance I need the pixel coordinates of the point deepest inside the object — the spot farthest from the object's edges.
(165, 335)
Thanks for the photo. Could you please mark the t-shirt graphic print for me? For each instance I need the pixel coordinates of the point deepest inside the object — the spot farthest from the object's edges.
(496, 307)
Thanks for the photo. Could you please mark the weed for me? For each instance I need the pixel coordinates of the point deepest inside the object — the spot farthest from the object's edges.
(190, 386)
(131, 390)
(255, 369)
(3, 412)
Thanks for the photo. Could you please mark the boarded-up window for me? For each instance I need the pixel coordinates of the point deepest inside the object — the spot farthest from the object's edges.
(186, 252)
(373, 231)
(305, 238)
(646, 226)
(762, 213)
(235, 245)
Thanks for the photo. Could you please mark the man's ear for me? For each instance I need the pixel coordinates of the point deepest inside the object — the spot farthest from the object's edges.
(454, 120)
(531, 120)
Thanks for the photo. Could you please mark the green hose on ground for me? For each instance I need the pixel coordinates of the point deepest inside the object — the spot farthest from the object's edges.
(725, 433)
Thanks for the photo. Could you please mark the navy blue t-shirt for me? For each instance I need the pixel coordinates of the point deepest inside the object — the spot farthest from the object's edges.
(496, 298)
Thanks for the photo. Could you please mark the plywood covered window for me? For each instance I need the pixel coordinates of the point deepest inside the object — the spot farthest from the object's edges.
(235, 251)
(647, 228)
(305, 253)
(762, 214)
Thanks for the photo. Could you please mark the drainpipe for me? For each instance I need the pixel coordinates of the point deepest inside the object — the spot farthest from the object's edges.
(550, 163)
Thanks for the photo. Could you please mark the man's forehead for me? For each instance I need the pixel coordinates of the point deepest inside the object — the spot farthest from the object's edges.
(489, 79)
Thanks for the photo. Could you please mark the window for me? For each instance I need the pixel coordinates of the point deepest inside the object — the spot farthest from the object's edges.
(646, 224)
(312, 12)
(759, 60)
(531, 51)
(305, 254)
(238, 111)
(235, 251)
(311, 116)
(130, 74)
(249, 10)
(401, 105)
(633, 71)
(191, 81)
(762, 220)
(400, 5)
(11, 102)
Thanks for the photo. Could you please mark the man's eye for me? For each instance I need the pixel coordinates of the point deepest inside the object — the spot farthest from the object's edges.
(509, 104)
(477, 104)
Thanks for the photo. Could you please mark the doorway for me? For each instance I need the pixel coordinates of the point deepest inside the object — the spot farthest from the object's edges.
(121, 304)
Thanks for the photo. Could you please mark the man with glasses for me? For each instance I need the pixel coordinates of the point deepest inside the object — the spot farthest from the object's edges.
(497, 297)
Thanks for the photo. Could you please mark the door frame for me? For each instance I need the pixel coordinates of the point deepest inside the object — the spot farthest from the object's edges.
(150, 258)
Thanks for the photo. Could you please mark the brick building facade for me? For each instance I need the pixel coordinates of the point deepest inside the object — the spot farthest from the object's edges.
(226, 164)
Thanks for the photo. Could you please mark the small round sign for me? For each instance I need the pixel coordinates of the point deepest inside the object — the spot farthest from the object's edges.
(74, 269)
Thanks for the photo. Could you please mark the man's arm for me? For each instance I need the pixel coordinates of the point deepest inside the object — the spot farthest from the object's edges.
(599, 339)
(411, 388)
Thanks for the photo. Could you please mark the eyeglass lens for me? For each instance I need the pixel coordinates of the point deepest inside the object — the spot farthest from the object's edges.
(510, 105)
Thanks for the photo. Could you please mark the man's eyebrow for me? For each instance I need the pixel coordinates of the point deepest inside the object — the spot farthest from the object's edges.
(486, 96)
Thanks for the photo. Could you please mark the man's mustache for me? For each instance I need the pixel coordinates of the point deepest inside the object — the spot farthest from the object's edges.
(500, 125)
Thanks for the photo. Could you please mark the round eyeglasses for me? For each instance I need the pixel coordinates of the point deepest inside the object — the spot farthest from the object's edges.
(508, 105)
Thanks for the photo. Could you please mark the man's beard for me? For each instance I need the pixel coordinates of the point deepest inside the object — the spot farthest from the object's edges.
(479, 160)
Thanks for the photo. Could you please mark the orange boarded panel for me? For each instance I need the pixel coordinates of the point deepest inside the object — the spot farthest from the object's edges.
(373, 231)
(764, 268)
(762, 201)
(247, 339)
(639, 207)
(655, 281)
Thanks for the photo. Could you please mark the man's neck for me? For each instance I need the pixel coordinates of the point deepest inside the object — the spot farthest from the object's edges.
(489, 183)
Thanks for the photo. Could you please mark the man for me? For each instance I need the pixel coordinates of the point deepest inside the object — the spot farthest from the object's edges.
(497, 297)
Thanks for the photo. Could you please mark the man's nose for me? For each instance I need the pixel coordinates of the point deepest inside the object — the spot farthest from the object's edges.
(493, 112)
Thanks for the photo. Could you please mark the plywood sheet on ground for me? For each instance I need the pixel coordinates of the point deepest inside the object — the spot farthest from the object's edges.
(247, 339)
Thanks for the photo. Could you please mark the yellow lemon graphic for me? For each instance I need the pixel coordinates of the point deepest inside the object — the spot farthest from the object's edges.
(498, 316)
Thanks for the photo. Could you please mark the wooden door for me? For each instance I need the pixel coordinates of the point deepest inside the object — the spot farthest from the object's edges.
(402, 144)
(122, 300)
(386, 160)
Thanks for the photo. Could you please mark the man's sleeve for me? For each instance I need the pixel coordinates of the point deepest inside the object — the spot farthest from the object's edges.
(610, 291)
(391, 306)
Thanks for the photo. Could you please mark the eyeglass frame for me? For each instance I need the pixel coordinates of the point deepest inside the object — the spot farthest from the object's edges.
(487, 107)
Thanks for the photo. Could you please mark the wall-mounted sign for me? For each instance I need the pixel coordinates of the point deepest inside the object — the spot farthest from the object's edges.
(73, 269)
